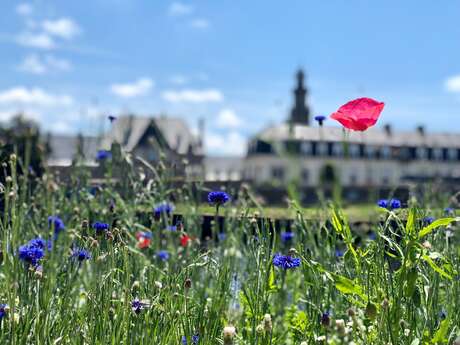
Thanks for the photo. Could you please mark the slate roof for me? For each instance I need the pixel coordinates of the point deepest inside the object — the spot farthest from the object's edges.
(64, 148)
(373, 136)
(129, 130)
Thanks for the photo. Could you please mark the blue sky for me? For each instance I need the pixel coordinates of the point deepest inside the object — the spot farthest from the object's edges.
(70, 63)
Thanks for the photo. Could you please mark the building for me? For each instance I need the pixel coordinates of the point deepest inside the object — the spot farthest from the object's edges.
(153, 137)
(316, 155)
(64, 149)
(223, 168)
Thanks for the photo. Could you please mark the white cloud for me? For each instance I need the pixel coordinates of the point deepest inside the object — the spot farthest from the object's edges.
(33, 64)
(138, 88)
(179, 9)
(178, 79)
(452, 84)
(232, 144)
(227, 118)
(199, 23)
(193, 96)
(61, 127)
(24, 9)
(35, 96)
(40, 40)
(58, 64)
(7, 114)
(36, 64)
(63, 27)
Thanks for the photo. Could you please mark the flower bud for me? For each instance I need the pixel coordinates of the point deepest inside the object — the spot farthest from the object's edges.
(188, 283)
(268, 322)
(371, 311)
(229, 334)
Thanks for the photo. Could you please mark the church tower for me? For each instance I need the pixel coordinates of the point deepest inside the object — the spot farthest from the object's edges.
(300, 113)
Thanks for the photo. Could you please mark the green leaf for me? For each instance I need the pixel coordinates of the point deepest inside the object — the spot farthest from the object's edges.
(411, 281)
(271, 280)
(436, 224)
(440, 337)
(410, 224)
(338, 227)
(348, 286)
(436, 267)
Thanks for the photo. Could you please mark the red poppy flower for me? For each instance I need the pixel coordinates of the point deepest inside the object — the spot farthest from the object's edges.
(143, 242)
(359, 114)
(184, 240)
(144, 239)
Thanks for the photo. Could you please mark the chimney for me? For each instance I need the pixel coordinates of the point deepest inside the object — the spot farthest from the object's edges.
(388, 129)
(421, 130)
(201, 129)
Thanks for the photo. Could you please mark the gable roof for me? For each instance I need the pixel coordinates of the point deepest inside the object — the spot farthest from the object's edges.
(130, 130)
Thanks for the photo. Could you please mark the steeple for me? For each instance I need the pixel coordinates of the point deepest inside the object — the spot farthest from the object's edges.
(300, 113)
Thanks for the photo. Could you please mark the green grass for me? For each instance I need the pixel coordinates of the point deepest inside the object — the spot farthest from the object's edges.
(400, 288)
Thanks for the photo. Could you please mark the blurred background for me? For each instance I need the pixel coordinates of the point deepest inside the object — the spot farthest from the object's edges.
(228, 91)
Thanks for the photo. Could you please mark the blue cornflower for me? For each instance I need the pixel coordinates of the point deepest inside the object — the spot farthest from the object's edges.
(31, 254)
(171, 228)
(195, 339)
(395, 203)
(221, 236)
(443, 314)
(163, 255)
(184, 340)
(287, 236)
(100, 227)
(285, 261)
(3, 310)
(449, 211)
(163, 208)
(320, 119)
(41, 243)
(111, 118)
(81, 254)
(325, 319)
(383, 203)
(428, 220)
(56, 223)
(339, 253)
(103, 155)
(137, 306)
(371, 235)
(218, 197)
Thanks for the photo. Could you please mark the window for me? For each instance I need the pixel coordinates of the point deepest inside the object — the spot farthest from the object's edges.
(422, 153)
(278, 172)
(386, 152)
(353, 179)
(437, 153)
(369, 151)
(337, 149)
(322, 149)
(354, 150)
(304, 176)
(306, 148)
(452, 154)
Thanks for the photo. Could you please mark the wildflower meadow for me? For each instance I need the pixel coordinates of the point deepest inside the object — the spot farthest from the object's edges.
(128, 262)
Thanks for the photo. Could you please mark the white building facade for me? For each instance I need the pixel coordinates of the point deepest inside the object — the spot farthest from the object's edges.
(313, 155)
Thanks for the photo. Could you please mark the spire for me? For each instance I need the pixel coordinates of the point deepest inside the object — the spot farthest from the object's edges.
(300, 113)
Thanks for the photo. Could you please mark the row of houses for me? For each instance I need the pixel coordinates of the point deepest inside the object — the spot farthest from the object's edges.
(298, 149)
